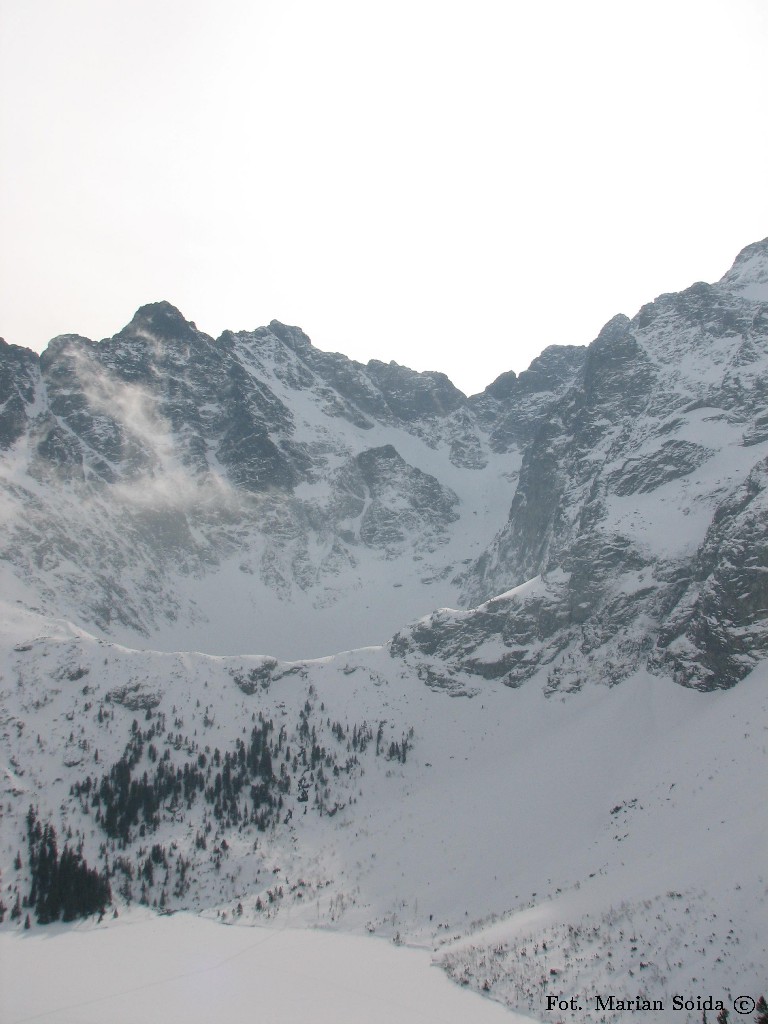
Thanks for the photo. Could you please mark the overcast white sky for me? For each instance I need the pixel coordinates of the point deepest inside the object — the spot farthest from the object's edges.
(453, 185)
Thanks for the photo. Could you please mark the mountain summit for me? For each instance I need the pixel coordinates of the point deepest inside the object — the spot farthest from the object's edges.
(148, 475)
(284, 633)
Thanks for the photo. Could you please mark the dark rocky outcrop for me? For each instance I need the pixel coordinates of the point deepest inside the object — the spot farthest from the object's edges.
(622, 485)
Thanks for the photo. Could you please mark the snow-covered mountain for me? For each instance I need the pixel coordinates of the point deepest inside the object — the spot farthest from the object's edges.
(600, 519)
(247, 494)
(255, 494)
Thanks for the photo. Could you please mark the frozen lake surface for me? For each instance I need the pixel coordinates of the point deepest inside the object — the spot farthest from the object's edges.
(186, 970)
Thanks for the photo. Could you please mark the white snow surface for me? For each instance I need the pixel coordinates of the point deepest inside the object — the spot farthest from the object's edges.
(749, 274)
(260, 573)
(620, 820)
(533, 843)
(185, 970)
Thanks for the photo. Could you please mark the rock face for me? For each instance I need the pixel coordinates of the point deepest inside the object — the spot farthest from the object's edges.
(167, 486)
(639, 511)
(161, 462)
(602, 517)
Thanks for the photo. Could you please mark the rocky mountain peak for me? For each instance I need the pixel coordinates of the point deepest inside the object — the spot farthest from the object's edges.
(293, 337)
(161, 321)
(299, 476)
(598, 523)
(502, 387)
(64, 346)
(749, 274)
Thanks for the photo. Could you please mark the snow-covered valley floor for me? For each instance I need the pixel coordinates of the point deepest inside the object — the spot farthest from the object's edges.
(186, 970)
(610, 841)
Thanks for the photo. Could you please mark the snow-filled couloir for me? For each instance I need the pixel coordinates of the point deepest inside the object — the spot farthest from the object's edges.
(289, 638)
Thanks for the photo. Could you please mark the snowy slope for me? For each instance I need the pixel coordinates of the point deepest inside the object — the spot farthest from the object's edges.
(641, 505)
(531, 813)
(474, 741)
(255, 494)
(165, 489)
